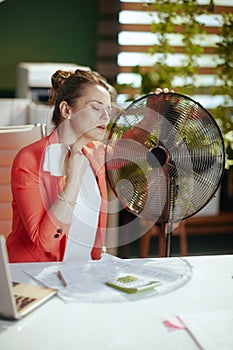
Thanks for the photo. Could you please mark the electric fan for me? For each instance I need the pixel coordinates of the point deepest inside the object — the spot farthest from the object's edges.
(165, 158)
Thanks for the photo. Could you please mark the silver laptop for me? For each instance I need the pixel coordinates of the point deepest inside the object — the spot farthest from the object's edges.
(18, 299)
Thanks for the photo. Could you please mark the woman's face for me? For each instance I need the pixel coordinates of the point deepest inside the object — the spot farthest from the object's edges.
(91, 114)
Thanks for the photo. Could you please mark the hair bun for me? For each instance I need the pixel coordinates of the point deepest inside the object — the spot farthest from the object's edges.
(59, 77)
(57, 80)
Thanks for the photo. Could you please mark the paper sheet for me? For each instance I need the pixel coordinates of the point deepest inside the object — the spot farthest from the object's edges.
(86, 280)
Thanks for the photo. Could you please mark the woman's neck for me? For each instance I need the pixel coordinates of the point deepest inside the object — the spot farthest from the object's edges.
(67, 137)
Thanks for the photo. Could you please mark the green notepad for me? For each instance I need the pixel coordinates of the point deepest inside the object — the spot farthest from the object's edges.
(132, 284)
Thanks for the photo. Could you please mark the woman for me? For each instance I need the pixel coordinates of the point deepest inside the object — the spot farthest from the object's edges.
(58, 183)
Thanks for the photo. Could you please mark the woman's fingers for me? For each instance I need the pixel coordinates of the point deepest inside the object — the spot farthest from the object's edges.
(159, 90)
(165, 90)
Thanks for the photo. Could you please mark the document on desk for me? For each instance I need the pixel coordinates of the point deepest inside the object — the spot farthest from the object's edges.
(210, 330)
(86, 281)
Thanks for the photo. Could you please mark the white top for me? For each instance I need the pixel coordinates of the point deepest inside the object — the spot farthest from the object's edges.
(85, 218)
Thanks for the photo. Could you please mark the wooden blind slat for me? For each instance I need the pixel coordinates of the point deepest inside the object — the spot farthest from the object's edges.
(133, 6)
(145, 49)
(147, 28)
(108, 48)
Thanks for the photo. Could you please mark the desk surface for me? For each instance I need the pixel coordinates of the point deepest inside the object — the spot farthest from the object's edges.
(128, 325)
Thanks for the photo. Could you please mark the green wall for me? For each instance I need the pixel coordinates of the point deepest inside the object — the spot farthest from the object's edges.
(45, 31)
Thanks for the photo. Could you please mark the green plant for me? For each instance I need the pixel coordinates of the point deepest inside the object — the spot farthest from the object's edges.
(172, 15)
(223, 114)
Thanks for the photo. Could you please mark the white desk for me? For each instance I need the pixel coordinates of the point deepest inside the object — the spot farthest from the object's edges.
(133, 325)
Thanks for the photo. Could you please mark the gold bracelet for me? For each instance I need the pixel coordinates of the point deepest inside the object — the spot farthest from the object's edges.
(66, 200)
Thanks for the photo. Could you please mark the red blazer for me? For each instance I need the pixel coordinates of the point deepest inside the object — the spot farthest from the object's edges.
(37, 235)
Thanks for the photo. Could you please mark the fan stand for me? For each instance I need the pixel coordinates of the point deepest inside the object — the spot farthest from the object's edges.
(162, 157)
(168, 230)
(168, 237)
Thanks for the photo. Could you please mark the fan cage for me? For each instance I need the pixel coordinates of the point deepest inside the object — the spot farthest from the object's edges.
(165, 157)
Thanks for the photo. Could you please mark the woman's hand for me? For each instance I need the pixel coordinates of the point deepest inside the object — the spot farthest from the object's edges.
(165, 90)
(75, 166)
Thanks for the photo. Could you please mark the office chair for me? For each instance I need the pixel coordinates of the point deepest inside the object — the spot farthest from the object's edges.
(12, 139)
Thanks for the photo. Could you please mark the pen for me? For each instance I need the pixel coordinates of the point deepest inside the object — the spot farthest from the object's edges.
(61, 278)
